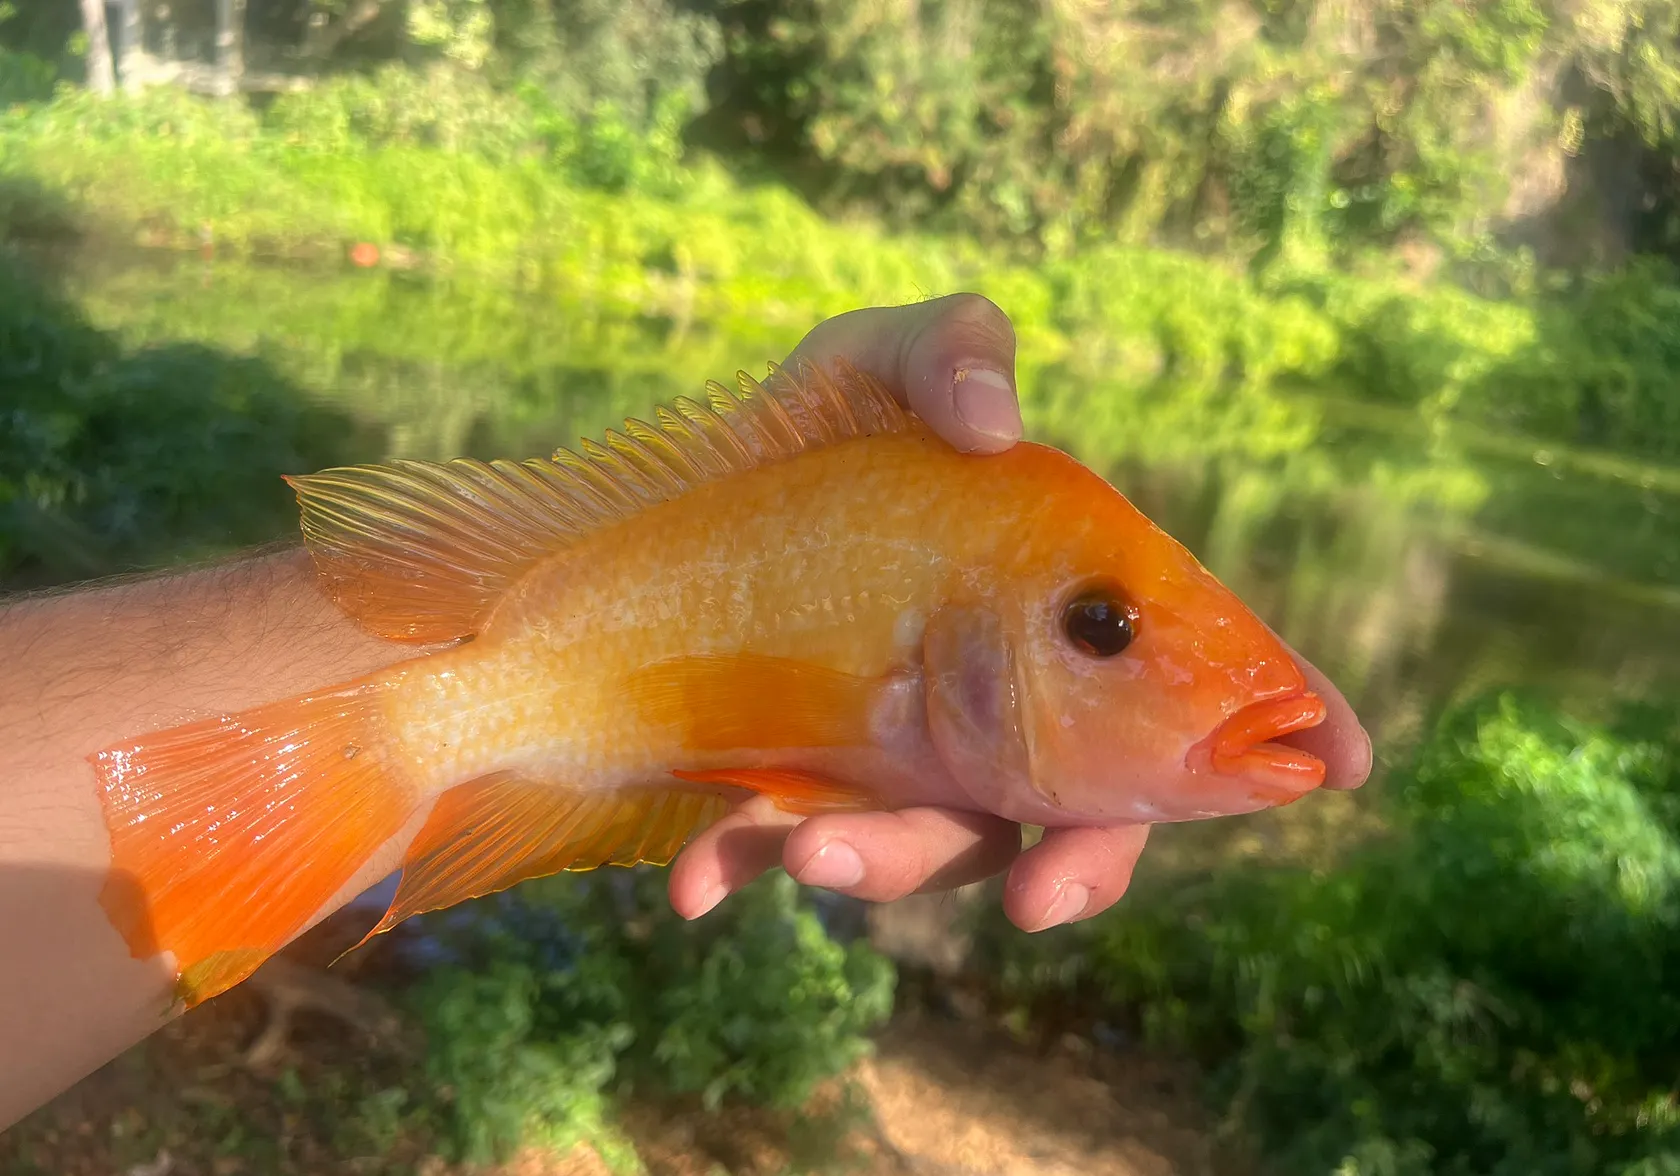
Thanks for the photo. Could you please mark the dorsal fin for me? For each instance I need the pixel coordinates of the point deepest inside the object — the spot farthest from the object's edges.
(421, 551)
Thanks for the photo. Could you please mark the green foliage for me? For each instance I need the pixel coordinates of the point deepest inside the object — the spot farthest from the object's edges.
(644, 61)
(461, 31)
(516, 1059)
(1603, 371)
(1253, 126)
(451, 109)
(1265, 130)
(767, 1012)
(600, 88)
(163, 114)
(110, 455)
(1589, 364)
(24, 77)
(500, 183)
(570, 986)
(458, 111)
(1437, 349)
(1481, 991)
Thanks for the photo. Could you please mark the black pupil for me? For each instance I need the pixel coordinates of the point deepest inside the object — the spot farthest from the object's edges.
(1099, 624)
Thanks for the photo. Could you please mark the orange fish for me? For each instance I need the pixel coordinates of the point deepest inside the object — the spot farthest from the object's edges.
(796, 591)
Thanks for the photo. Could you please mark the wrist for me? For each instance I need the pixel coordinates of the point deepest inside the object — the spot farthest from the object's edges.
(79, 671)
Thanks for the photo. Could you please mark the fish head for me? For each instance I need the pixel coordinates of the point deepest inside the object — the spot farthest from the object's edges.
(1101, 675)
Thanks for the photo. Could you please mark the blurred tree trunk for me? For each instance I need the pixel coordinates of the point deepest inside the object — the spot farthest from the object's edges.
(100, 78)
(230, 45)
(130, 48)
(325, 35)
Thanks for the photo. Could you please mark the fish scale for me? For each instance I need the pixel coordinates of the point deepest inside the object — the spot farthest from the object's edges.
(537, 692)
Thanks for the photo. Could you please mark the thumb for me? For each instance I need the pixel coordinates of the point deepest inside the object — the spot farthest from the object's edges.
(950, 360)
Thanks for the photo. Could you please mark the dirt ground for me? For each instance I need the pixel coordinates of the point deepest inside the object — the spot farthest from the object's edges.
(948, 1098)
(949, 1091)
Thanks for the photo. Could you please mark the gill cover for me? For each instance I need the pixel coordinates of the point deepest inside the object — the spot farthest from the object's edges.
(975, 709)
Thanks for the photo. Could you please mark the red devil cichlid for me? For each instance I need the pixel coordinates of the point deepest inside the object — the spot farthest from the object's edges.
(782, 592)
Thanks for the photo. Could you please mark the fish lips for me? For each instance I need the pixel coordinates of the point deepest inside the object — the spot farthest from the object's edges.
(1245, 748)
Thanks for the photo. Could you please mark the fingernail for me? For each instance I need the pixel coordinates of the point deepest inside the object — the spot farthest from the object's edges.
(710, 897)
(985, 402)
(833, 867)
(1069, 905)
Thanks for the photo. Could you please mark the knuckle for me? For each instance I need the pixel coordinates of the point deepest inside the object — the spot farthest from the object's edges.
(979, 320)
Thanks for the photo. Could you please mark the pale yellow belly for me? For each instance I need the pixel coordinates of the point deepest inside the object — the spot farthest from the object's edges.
(512, 706)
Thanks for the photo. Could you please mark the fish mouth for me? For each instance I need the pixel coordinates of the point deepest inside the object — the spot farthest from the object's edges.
(1244, 746)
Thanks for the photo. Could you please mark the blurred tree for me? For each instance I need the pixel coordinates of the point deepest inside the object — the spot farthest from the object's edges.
(101, 79)
(1276, 129)
(327, 26)
(230, 45)
(130, 46)
(1279, 132)
(630, 55)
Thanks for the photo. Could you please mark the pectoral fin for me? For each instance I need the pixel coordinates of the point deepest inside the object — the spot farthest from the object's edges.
(726, 702)
(792, 791)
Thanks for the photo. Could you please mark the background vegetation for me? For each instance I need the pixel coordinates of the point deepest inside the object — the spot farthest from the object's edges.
(1371, 303)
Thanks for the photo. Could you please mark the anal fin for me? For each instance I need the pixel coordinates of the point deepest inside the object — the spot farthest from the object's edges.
(496, 832)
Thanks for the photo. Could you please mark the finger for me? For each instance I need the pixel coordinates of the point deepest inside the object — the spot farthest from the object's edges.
(1072, 874)
(1340, 740)
(727, 855)
(879, 857)
(951, 360)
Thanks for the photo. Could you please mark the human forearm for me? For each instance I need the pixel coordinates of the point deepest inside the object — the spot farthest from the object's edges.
(83, 670)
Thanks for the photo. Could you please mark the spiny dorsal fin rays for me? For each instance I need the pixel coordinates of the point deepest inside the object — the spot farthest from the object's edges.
(421, 551)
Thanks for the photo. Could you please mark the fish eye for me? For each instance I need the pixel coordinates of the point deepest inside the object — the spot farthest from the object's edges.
(1098, 622)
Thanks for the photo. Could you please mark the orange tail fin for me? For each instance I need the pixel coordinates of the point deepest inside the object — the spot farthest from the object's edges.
(227, 835)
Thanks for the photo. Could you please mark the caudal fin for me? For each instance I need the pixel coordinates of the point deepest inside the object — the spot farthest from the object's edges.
(227, 835)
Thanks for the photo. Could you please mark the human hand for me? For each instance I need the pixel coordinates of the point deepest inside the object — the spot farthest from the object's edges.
(952, 361)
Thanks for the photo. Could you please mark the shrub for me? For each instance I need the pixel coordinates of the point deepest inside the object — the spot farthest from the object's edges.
(553, 995)
(25, 78)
